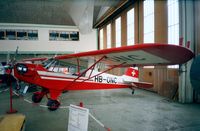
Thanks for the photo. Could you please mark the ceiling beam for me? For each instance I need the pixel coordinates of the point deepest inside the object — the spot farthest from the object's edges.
(113, 12)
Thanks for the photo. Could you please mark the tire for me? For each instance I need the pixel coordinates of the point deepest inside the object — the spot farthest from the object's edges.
(53, 105)
(37, 97)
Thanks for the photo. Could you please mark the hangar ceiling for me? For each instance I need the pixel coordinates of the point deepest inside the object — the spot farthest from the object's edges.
(81, 13)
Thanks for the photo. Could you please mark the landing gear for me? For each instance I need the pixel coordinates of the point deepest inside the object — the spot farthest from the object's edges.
(133, 91)
(133, 88)
(37, 97)
(53, 104)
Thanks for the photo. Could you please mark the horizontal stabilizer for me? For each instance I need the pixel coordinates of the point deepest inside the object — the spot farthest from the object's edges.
(142, 84)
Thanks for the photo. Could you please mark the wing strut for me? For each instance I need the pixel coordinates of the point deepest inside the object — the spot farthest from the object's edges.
(92, 66)
(104, 71)
(91, 72)
(78, 66)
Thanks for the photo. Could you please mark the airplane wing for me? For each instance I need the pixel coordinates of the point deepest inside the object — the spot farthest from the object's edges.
(34, 59)
(137, 55)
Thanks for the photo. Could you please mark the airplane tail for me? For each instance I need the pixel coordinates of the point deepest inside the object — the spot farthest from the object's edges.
(132, 76)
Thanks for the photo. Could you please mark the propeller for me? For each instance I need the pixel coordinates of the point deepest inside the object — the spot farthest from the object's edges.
(13, 60)
(9, 69)
(10, 63)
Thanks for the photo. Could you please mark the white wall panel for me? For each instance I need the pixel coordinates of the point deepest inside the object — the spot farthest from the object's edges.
(86, 41)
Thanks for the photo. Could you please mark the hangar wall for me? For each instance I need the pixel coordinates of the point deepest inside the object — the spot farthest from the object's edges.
(165, 79)
(86, 42)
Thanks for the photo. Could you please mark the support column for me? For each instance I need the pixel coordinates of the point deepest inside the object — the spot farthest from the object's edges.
(124, 29)
(186, 9)
(161, 36)
(161, 24)
(104, 37)
(113, 34)
(138, 9)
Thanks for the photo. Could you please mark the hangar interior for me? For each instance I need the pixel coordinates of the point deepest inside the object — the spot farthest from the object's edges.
(49, 28)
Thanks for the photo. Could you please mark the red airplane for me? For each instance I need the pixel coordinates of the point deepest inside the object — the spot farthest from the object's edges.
(49, 73)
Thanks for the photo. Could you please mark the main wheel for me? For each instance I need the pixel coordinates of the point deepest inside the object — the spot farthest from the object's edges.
(53, 105)
(37, 97)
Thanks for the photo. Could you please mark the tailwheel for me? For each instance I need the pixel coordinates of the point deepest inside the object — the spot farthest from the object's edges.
(37, 97)
(133, 91)
(53, 104)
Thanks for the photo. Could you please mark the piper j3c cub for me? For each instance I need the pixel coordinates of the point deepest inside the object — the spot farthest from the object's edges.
(55, 82)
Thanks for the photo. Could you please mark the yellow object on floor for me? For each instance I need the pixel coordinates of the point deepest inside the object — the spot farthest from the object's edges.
(12, 122)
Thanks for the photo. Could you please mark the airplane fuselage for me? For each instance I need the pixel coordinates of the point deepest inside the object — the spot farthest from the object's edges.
(38, 75)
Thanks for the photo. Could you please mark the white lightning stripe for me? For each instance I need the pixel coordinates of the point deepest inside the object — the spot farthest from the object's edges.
(55, 74)
(62, 79)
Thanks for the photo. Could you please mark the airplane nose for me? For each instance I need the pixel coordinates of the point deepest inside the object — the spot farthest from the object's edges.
(21, 68)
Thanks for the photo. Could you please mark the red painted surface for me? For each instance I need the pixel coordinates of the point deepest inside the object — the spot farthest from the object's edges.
(132, 72)
(81, 104)
(181, 41)
(188, 44)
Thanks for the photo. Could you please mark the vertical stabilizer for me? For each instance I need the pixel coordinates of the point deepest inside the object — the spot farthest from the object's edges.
(131, 75)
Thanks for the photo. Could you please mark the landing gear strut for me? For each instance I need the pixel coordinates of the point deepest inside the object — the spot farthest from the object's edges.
(37, 96)
(133, 91)
(53, 104)
(132, 88)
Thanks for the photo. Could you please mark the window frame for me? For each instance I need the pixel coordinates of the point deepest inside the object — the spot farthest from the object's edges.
(118, 32)
(108, 34)
(149, 27)
(130, 27)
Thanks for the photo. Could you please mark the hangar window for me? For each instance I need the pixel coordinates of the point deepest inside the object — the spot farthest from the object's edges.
(74, 36)
(11, 34)
(21, 35)
(118, 31)
(108, 35)
(33, 35)
(2, 34)
(53, 35)
(148, 21)
(173, 24)
(101, 39)
(130, 27)
(63, 35)
(18, 34)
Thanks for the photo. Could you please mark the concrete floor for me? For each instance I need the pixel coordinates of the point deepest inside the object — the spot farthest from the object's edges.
(116, 109)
